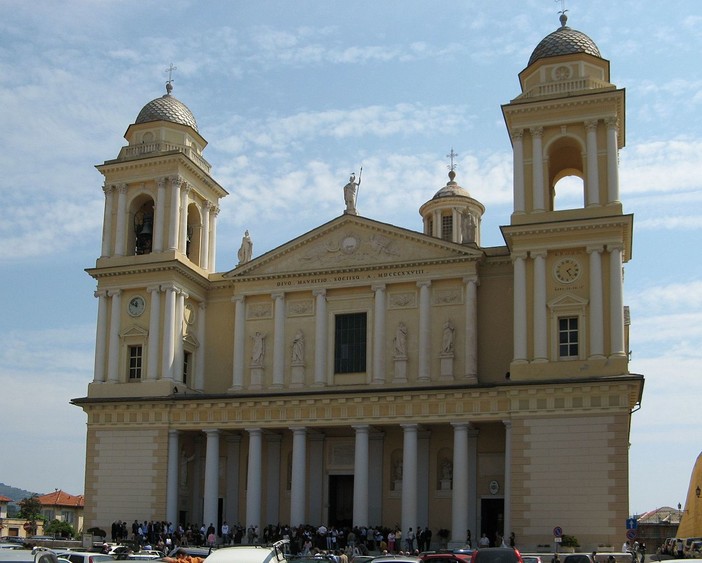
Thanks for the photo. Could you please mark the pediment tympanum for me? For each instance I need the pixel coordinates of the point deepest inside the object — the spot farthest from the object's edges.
(351, 242)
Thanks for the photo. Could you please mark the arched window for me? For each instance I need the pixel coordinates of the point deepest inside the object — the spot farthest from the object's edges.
(565, 174)
(142, 225)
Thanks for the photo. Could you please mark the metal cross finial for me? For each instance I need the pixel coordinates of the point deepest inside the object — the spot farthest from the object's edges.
(170, 70)
(452, 155)
(563, 8)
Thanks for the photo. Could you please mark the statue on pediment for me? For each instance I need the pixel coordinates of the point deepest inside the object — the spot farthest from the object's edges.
(246, 249)
(350, 194)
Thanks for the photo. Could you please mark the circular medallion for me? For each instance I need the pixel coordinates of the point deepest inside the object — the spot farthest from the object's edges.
(561, 73)
(349, 245)
(136, 306)
(494, 487)
(567, 270)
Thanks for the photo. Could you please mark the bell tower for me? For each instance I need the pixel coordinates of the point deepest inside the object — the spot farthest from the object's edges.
(158, 250)
(568, 121)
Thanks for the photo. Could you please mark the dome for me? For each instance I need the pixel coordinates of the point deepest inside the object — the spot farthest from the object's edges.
(451, 188)
(167, 108)
(564, 41)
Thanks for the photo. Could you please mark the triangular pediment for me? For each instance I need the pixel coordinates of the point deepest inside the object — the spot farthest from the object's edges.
(351, 242)
(568, 300)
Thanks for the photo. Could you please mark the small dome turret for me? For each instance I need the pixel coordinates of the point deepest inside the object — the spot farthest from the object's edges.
(167, 108)
(564, 41)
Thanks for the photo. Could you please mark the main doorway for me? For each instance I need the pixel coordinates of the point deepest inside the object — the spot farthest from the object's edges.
(492, 516)
(340, 501)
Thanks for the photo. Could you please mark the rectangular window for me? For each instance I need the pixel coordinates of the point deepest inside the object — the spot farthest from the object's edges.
(568, 337)
(447, 227)
(187, 362)
(135, 362)
(350, 343)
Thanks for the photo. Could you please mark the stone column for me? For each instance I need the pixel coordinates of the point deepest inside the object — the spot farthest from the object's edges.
(231, 506)
(593, 174)
(114, 346)
(253, 485)
(173, 224)
(459, 494)
(540, 312)
(205, 250)
(159, 214)
(100, 337)
(360, 476)
(320, 334)
(616, 300)
(278, 340)
(409, 478)
(520, 308)
(107, 221)
(471, 339)
(596, 303)
(472, 500)
(437, 226)
(612, 160)
(196, 488)
(172, 478)
(507, 529)
(212, 250)
(199, 383)
(518, 173)
(537, 169)
(239, 342)
(154, 332)
(378, 336)
(298, 489)
(211, 494)
(183, 231)
(168, 331)
(179, 354)
(424, 344)
(120, 234)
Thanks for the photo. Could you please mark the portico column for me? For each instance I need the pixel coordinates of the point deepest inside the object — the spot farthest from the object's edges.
(537, 166)
(212, 250)
(173, 226)
(593, 180)
(459, 494)
(107, 220)
(423, 352)
(159, 211)
(596, 303)
(540, 312)
(183, 238)
(471, 341)
(409, 477)
(378, 336)
(168, 332)
(298, 492)
(253, 484)
(211, 493)
(518, 172)
(360, 476)
(172, 478)
(239, 342)
(199, 383)
(100, 337)
(320, 337)
(278, 340)
(508, 479)
(115, 319)
(205, 250)
(520, 308)
(616, 300)
(120, 233)
(472, 498)
(154, 332)
(612, 160)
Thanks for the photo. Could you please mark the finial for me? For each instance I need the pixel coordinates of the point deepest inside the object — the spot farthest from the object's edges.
(452, 166)
(563, 18)
(169, 83)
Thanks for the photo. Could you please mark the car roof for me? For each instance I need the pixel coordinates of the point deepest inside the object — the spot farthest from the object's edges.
(246, 554)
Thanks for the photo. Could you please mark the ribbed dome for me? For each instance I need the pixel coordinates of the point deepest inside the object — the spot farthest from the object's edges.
(451, 188)
(564, 41)
(167, 108)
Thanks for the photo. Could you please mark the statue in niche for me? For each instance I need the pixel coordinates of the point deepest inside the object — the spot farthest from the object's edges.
(246, 249)
(397, 470)
(446, 469)
(468, 227)
(447, 338)
(259, 349)
(184, 461)
(298, 347)
(400, 340)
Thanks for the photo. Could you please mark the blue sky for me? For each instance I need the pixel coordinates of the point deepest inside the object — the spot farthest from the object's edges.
(293, 96)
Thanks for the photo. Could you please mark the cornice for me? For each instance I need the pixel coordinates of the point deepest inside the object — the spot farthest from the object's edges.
(105, 273)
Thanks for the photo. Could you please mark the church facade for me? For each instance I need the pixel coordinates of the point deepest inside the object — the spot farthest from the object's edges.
(363, 373)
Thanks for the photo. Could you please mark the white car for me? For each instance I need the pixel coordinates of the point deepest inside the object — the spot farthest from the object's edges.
(250, 554)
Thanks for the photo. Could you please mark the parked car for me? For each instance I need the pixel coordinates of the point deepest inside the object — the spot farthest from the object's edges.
(84, 556)
(496, 555)
(250, 554)
(445, 556)
(395, 559)
(533, 558)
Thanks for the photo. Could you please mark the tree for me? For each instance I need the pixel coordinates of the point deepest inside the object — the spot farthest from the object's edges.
(30, 510)
(58, 528)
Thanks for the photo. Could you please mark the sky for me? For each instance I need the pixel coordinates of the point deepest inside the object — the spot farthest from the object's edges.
(292, 97)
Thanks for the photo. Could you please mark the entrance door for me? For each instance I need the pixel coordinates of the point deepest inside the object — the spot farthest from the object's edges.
(492, 511)
(341, 500)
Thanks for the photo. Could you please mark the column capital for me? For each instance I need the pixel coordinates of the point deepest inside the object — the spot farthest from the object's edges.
(254, 431)
(277, 295)
(101, 293)
(378, 286)
(298, 429)
(538, 253)
(594, 248)
(114, 292)
(238, 299)
(615, 246)
(508, 424)
(176, 181)
(153, 288)
(471, 280)
(161, 182)
(121, 188)
(612, 122)
(107, 189)
(520, 255)
(211, 432)
(361, 427)
(536, 131)
(517, 134)
(409, 427)
(425, 283)
(169, 287)
(214, 210)
(319, 291)
(172, 432)
(591, 124)
(461, 425)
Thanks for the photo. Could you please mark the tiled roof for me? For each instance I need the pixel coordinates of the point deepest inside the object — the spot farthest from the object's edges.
(564, 41)
(167, 108)
(59, 498)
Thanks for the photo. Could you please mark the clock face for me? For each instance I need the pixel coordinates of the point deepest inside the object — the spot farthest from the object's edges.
(136, 306)
(567, 270)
